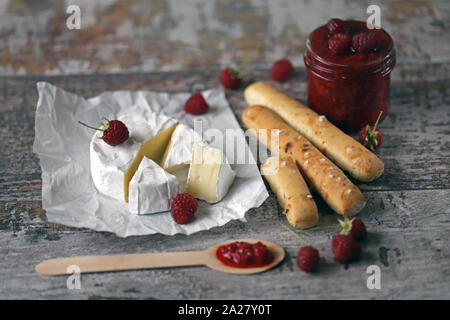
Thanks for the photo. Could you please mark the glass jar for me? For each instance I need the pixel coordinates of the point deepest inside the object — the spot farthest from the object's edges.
(350, 89)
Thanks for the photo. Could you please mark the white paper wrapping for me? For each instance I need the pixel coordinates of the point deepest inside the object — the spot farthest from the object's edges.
(68, 193)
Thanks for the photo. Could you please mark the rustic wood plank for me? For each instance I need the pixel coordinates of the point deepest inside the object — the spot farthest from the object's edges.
(407, 212)
(162, 35)
(416, 148)
(408, 239)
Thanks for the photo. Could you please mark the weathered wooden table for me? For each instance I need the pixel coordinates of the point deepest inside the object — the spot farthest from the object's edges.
(408, 208)
(407, 214)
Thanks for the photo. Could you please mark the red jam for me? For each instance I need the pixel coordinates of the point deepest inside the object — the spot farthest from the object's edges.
(349, 88)
(244, 255)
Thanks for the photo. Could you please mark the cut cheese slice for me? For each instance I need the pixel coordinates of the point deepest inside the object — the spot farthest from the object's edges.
(179, 151)
(113, 167)
(151, 189)
(181, 174)
(152, 149)
(210, 174)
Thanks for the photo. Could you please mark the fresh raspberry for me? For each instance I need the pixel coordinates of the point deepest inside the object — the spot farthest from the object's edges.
(364, 41)
(370, 136)
(114, 132)
(335, 26)
(345, 248)
(339, 42)
(183, 208)
(354, 227)
(307, 258)
(358, 230)
(196, 104)
(230, 78)
(281, 70)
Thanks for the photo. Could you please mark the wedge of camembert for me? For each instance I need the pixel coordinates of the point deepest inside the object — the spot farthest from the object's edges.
(210, 175)
(112, 168)
(179, 151)
(181, 174)
(151, 189)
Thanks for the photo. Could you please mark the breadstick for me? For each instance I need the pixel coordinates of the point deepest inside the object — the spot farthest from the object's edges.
(292, 192)
(345, 151)
(322, 174)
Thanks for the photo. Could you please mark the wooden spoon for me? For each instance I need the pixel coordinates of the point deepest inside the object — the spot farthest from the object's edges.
(118, 262)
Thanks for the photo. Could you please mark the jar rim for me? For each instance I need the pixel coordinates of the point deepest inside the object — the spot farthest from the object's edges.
(380, 61)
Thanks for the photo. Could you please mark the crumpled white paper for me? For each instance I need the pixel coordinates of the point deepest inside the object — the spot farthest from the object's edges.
(68, 192)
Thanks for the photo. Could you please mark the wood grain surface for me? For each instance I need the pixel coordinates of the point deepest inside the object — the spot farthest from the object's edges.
(167, 35)
(407, 214)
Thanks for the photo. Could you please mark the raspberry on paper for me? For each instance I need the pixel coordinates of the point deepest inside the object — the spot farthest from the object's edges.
(196, 104)
(183, 208)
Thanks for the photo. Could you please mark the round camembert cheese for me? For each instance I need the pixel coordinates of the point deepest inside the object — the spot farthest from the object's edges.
(113, 167)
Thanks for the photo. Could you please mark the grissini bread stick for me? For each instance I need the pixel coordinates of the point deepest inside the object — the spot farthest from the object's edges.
(345, 151)
(292, 192)
(322, 174)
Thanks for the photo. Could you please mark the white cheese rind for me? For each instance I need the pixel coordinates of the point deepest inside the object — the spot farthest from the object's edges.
(180, 146)
(109, 164)
(210, 174)
(226, 178)
(151, 189)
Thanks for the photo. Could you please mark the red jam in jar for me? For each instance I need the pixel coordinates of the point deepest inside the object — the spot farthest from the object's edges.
(350, 87)
(244, 255)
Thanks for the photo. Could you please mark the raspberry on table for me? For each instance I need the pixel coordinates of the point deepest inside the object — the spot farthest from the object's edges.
(340, 42)
(230, 79)
(345, 248)
(358, 230)
(354, 227)
(282, 69)
(307, 258)
(370, 136)
(183, 208)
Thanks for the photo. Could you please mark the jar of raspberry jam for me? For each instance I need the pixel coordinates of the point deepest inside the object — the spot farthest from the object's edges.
(350, 86)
